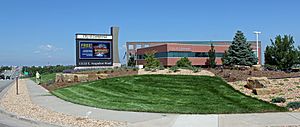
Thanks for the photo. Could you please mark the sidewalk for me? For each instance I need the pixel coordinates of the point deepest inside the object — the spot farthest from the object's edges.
(42, 97)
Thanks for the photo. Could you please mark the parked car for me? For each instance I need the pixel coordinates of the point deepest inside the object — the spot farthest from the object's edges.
(7, 77)
(2, 77)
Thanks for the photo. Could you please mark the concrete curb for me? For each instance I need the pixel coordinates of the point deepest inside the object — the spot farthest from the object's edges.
(12, 115)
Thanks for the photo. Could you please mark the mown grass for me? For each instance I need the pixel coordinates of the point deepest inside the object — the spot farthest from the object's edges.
(45, 78)
(165, 93)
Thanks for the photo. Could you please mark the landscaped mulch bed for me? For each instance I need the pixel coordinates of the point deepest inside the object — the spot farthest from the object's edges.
(111, 73)
(242, 75)
(290, 90)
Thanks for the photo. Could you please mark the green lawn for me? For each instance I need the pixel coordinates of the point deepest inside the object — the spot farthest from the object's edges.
(164, 93)
(45, 78)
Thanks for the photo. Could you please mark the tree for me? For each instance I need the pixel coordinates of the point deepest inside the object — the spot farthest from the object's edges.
(239, 52)
(131, 61)
(151, 61)
(282, 53)
(212, 57)
(184, 62)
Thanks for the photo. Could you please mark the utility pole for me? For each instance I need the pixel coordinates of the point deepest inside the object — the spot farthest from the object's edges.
(17, 85)
(257, 34)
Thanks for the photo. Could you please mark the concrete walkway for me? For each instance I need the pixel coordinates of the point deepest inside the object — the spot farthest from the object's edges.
(43, 98)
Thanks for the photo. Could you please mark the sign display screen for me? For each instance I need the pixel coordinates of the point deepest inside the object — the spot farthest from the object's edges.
(95, 50)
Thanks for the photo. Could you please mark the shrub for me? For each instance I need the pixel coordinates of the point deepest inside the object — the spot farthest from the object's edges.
(135, 69)
(174, 68)
(147, 69)
(285, 79)
(161, 67)
(195, 69)
(183, 62)
(293, 105)
(270, 67)
(153, 69)
(151, 61)
(278, 100)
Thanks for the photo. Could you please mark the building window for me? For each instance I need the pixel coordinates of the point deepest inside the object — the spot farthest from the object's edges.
(138, 46)
(130, 47)
(182, 54)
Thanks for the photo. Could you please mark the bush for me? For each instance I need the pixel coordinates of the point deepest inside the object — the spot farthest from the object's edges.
(161, 67)
(174, 69)
(278, 100)
(135, 69)
(153, 69)
(270, 67)
(195, 69)
(183, 62)
(147, 69)
(151, 61)
(293, 105)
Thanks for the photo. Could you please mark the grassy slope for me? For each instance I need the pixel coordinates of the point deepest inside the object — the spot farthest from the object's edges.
(164, 93)
(45, 78)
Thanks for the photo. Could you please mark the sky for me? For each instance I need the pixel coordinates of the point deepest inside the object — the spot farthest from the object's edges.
(42, 32)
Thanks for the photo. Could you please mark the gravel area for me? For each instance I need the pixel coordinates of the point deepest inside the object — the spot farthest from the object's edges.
(290, 90)
(22, 105)
(180, 72)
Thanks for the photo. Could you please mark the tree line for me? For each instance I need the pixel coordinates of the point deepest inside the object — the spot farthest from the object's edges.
(45, 69)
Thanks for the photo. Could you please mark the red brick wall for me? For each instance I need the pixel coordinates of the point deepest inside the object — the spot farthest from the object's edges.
(188, 48)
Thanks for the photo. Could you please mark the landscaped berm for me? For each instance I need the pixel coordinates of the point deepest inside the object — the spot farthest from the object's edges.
(165, 93)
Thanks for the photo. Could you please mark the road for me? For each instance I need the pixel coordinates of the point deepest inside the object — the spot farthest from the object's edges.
(5, 119)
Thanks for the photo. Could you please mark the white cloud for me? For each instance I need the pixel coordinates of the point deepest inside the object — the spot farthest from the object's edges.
(47, 50)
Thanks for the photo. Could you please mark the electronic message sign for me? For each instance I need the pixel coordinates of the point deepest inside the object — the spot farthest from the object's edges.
(95, 50)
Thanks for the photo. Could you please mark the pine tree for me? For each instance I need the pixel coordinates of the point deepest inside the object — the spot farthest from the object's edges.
(282, 53)
(131, 61)
(239, 52)
(212, 56)
(151, 61)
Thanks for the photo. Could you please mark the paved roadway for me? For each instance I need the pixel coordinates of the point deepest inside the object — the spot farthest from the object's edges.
(7, 121)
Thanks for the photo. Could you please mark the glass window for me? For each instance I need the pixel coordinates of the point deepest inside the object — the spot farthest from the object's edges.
(130, 46)
(138, 46)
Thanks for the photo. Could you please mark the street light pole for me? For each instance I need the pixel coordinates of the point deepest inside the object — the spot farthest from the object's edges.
(257, 33)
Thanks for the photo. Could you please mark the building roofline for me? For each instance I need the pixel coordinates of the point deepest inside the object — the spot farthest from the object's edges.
(226, 41)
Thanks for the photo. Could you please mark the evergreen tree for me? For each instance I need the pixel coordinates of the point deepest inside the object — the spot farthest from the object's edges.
(239, 52)
(184, 62)
(212, 56)
(151, 61)
(131, 61)
(282, 53)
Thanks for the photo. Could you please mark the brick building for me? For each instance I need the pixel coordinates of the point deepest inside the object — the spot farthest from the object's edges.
(169, 53)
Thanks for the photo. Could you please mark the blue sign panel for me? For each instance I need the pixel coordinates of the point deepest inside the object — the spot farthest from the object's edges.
(95, 50)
